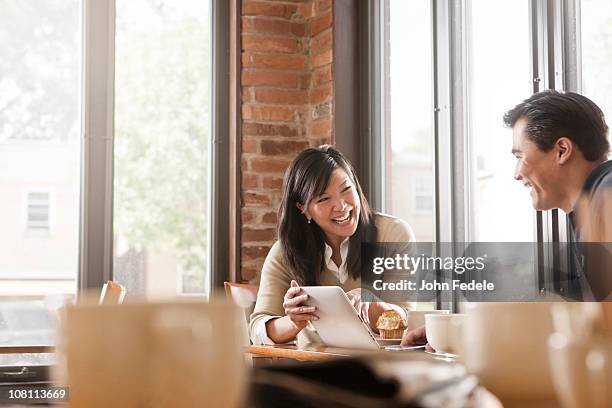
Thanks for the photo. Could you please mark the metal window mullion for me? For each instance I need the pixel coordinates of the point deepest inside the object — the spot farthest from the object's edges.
(540, 74)
(462, 166)
(443, 155)
(219, 174)
(567, 47)
(553, 36)
(572, 55)
(460, 143)
(96, 241)
(372, 76)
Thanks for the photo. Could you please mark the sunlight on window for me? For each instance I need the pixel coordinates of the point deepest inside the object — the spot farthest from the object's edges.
(408, 101)
(40, 75)
(498, 78)
(596, 36)
(161, 146)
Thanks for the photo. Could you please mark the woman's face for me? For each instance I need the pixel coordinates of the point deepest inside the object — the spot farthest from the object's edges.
(337, 210)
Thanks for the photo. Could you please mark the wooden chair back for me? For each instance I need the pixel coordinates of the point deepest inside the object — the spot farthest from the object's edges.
(242, 294)
(112, 293)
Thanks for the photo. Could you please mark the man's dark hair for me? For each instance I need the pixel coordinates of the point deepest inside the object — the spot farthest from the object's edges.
(552, 114)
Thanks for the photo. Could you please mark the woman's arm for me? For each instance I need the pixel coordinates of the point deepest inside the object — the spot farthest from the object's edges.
(285, 329)
(282, 330)
(278, 299)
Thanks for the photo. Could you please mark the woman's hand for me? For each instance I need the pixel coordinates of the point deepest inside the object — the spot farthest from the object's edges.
(299, 315)
(355, 298)
(369, 311)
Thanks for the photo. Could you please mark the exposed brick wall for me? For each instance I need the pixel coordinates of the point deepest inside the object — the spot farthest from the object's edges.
(287, 94)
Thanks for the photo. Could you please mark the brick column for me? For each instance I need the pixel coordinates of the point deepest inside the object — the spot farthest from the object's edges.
(287, 106)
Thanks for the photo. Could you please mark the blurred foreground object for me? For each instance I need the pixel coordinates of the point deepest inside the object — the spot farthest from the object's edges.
(176, 354)
(112, 293)
(505, 346)
(581, 354)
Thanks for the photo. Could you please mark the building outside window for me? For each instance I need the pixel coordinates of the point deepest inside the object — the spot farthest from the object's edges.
(39, 212)
(407, 118)
(161, 94)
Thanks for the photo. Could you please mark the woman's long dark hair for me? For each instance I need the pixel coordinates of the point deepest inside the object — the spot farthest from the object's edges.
(303, 244)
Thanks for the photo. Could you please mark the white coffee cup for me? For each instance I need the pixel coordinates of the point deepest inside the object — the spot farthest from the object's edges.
(152, 354)
(416, 318)
(599, 369)
(506, 346)
(444, 332)
(568, 370)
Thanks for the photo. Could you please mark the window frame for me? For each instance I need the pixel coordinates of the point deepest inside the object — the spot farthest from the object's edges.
(96, 232)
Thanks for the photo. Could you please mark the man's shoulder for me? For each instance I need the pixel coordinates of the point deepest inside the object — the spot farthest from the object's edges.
(601, 179)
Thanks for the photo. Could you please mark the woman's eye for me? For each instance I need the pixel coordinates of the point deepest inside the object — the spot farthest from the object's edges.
(320, 200)
(347, 188)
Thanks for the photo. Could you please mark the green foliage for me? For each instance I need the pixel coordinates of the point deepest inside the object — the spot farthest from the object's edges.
(161, 140)
(39, 70)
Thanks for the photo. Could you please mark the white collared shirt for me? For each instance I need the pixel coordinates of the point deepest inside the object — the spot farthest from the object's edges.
(341, 274)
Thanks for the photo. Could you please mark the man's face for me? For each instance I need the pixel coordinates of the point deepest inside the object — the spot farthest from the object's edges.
(537, 169)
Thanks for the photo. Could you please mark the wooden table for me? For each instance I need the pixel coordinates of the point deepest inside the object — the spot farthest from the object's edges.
(309, 352)
(320, 352)
(26, 349)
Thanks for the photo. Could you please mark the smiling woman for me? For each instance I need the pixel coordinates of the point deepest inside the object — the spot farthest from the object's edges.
(323, 219)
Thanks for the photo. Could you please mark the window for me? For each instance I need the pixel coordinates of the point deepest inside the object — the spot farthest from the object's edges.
(407, 121)
(498, 77)
(162, 119)
(40, 145)
(448, 71)
(84, 131)
(596, 46)
(39, 212)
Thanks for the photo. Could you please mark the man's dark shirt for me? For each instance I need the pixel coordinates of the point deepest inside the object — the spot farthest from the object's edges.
(594, 190)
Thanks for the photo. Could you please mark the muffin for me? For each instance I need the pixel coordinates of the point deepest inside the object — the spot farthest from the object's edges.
(390, 325)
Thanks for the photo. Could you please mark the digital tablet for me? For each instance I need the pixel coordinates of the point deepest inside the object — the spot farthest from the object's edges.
(339, 324)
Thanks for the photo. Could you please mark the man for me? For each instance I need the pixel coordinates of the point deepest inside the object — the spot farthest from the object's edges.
(561, 145)
(560, 141)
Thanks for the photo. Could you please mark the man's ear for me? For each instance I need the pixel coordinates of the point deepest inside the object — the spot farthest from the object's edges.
(565, 149)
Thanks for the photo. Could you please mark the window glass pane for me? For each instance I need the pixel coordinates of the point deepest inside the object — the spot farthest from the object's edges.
(408, 108)
(161, 146)
(596, 36)
(498, 78)
(40, 75)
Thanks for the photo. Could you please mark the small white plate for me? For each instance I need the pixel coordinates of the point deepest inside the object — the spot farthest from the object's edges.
(442, 355)
(387, 342)
(397, 347)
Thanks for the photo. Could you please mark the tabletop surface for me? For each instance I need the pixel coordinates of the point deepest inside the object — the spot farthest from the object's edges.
(320, 352)
(26, 349)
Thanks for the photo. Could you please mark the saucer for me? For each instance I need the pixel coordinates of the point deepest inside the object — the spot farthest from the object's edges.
(443, 355)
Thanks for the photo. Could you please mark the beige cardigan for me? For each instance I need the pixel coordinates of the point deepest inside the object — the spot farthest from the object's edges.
(276, 279)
